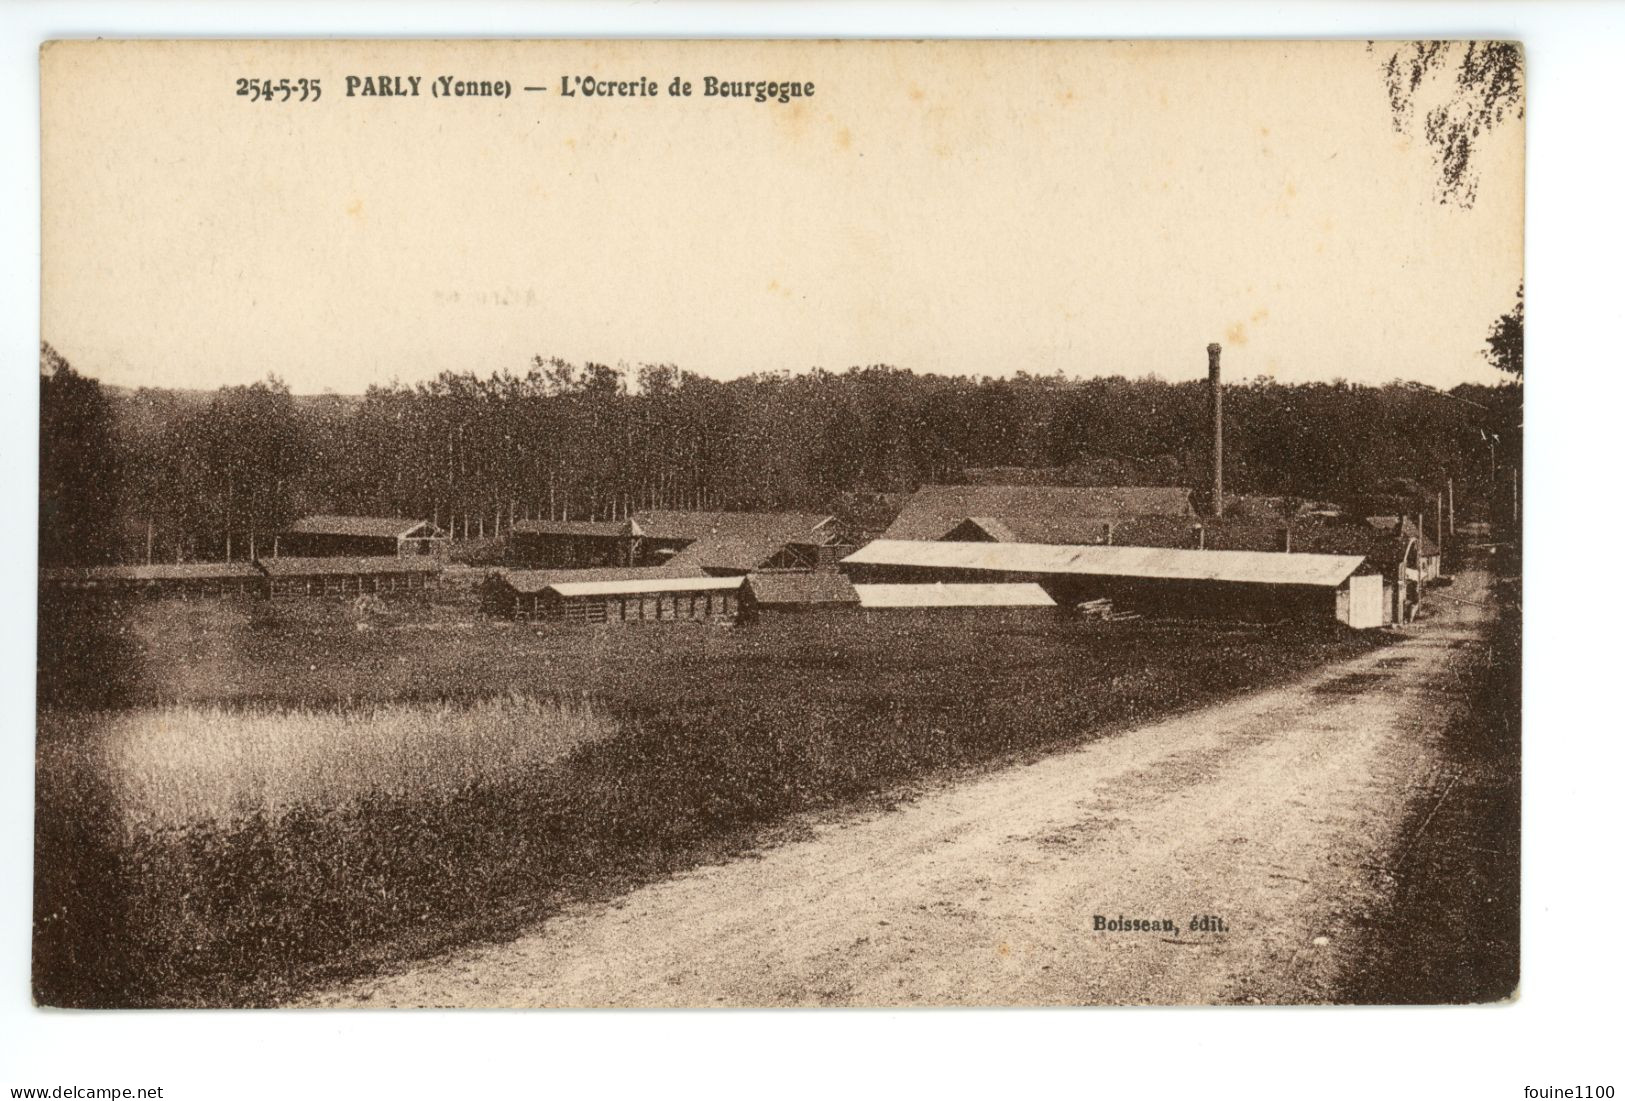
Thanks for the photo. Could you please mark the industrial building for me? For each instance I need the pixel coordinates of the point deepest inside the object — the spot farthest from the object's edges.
(794, 593)
(1249, 585)
(1070, 515)
(360, 536)
(612, 596)
(714, 543)
(1429, 558)
(184, 579)
(348, 575)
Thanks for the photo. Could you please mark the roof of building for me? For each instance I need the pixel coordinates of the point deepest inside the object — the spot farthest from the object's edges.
(991, 526)
(173, 571)
(816, 587)
(607, 529)
(534, 581)
(786, 527)
(647, 585)
(739, 541)
(1406, 527)
(933, 510)
(1261, 506)
(941, 595)
(615, 581)
(347, 565)
(1162, 563)
(1310, 534)
(727, 551)
(379, 527)
(1075, 530)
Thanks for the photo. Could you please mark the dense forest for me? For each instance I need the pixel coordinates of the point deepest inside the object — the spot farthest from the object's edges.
(163, 475)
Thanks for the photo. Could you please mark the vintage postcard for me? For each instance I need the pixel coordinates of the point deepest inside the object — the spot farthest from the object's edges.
(760, 524)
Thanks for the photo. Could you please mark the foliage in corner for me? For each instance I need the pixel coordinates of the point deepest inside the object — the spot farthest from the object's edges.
(1466, 89)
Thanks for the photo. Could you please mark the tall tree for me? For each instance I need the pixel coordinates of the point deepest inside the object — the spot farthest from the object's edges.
(1505, 351)
(79, 485)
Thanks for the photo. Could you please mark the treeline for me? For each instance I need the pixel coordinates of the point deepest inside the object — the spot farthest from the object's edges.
(170, 475)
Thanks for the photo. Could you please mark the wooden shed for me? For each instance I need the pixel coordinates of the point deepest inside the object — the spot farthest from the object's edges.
(361, 537)
(613, 596)
(338, 576)
(796, 593)
(185, 579)
(735, 543)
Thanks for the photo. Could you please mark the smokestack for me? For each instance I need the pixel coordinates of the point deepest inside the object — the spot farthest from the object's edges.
(1216, 392)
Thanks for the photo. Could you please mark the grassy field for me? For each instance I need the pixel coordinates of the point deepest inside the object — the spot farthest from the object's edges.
(237, 800)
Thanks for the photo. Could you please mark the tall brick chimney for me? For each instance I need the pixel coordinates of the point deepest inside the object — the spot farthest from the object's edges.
(1216, 392)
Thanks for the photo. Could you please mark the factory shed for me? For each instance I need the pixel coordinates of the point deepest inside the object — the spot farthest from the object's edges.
(1428, 558)
(184, 579)
(328, 536)
(1035, 514)
(796, 593)
(328, 576)
(1262, 528)
(1253, 585)
(612, 596)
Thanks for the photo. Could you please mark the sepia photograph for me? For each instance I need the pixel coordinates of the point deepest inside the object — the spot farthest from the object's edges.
(779, 524)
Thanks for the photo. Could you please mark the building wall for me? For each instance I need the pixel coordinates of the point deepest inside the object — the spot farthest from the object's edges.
(569, 551)
(981, 618)
(1181, 599)
(678, 607)
(342, 584)
(1360, 601)
(191, 586)
(309, 545)
(304, 545)
(436, 547)
(1430, 567)
(706, 606)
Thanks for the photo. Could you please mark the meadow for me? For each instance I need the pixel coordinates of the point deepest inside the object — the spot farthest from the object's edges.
(238, 800)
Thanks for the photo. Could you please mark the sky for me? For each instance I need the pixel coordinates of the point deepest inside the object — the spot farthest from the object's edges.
(965, 209)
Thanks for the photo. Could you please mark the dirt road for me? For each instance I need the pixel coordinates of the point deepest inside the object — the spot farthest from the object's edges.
(1280, 814)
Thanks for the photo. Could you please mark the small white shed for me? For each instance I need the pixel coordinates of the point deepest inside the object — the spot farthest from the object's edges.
(1359, 601)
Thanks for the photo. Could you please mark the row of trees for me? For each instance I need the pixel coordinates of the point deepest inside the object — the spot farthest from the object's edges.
(172, 475)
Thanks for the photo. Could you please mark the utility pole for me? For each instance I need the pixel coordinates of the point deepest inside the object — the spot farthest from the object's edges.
(1450, 490)
(1418, 560)
(1438, 522)
(1215, 387)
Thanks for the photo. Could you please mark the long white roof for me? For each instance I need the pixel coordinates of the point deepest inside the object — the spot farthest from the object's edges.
(645, 585)
(1159, 563)
(947, 595)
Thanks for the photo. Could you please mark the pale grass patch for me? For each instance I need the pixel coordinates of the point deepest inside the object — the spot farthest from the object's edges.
(180, 766)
